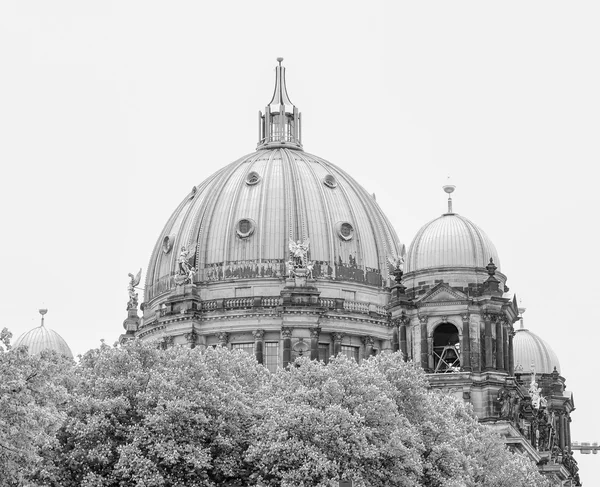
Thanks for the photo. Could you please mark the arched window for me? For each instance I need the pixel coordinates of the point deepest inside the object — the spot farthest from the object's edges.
(446, 348)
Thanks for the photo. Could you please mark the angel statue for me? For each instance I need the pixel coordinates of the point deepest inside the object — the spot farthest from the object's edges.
(183, 261)
(299, 252)
(133, 296)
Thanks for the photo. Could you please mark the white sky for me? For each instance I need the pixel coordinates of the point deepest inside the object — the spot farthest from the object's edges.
(111, 111)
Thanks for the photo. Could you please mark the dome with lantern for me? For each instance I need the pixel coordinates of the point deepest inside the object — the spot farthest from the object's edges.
(532, 353)
(41, 338)
(237, 225)
(454, 249)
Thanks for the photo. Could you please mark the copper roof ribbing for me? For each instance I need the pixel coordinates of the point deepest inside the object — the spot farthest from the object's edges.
(531, 349)
(450, 241)
(42, 338)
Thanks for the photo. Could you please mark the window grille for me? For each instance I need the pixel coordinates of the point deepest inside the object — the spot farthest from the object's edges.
(271, 356)
(350, 352)
(245, 347)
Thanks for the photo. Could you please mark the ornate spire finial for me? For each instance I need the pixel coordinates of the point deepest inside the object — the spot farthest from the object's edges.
(280, 124)
(43, 311)
(521, 311)
(449, 188)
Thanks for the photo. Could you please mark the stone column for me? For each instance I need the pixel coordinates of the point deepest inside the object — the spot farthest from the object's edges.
(368, 342)
(403, 341)
(568, 435)
(424, 349)
(506, 330)
(466, 343)
(499, 344)
(395, 339)
(286, 334)
(223, 338)
(337, 343)
(314, 343)
(487, 318)
(561, 431)
(258, 345)
(511, 353)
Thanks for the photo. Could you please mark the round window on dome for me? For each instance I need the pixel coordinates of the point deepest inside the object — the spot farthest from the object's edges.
(193, 192)
(167, 244)
(252, 178)
(345, 231)
(329, 181)
(245, 228)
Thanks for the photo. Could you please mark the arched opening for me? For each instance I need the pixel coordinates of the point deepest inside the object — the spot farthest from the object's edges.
(446, 349)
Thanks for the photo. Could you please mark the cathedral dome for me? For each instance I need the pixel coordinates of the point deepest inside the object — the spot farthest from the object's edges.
(238, 223)
(450, 241)
(530, 350)
(241, 219)
(42, 338)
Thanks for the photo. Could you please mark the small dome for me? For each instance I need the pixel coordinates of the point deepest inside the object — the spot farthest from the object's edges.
(531, 349)
(42, 338)
(450, 241)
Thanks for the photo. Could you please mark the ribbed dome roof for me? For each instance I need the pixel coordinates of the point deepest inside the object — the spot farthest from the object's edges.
(42, 338)
(450, 241)
(531, 349)
(241, 219)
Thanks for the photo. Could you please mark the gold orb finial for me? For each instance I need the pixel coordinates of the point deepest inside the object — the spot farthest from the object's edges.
(280, 60)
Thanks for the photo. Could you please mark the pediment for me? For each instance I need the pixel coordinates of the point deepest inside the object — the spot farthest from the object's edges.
(442, 293)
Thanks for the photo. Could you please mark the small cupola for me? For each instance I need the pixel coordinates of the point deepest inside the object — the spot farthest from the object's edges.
(280, 125)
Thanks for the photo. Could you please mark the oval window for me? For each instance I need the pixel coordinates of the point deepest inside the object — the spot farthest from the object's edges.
(329, 181)
(252, 178)
(345, 230)
(245, 227)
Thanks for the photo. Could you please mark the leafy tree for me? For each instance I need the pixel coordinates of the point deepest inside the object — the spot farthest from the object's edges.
(139, 416)
(143, 417)
(321, 423)
(32, 396)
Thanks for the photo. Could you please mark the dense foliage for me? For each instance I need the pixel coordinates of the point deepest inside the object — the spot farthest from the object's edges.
(139, 416)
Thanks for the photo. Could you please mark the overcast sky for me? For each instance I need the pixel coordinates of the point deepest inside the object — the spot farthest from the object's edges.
(111, 111)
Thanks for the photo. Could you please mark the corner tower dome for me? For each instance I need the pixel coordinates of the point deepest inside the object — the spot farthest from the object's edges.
(237, 225)
(532, 351)
(450, 240)
(42, 338)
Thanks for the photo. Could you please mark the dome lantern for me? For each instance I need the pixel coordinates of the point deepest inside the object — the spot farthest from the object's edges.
(280, 125)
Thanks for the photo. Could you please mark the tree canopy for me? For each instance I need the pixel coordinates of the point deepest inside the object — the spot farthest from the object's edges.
(139, 416)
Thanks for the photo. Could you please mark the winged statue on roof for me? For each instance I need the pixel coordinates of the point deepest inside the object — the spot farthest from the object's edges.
(396, 264)
(299, 252)
(133, 283)
(183, 262)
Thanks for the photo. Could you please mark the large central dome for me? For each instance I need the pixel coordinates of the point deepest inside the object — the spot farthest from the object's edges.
(238, 223)
(241, 219)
